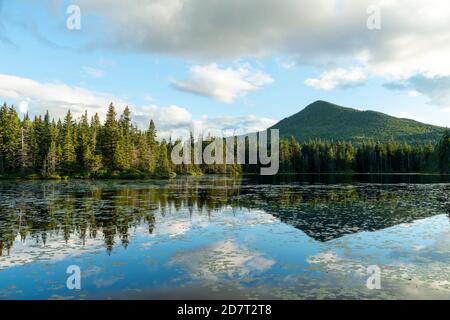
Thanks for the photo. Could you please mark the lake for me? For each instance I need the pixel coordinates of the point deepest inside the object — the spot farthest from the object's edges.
(213, 237)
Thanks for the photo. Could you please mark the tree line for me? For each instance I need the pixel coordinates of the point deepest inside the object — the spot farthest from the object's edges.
(86, 148)
(82, 148)
(319, 156)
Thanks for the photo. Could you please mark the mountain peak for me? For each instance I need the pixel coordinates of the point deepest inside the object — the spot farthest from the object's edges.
(323, 105)
(326, 120)
(320, 103)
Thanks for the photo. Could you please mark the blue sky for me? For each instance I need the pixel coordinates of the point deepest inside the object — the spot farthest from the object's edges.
(226, 65)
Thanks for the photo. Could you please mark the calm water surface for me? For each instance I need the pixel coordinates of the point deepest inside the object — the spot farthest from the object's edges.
(216, 237)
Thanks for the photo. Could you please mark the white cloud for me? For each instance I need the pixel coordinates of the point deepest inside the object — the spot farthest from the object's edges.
(437, 89)
(337, 78)
(414, 93)
(23, 106)
(177, 122)
(225, 84)
(413, 37)
(93, 72)
(53, 96)
(233, 125)
(413, 40)
(171, 121)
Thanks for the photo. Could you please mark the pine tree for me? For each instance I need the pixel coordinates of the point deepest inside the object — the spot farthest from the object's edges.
(46, 135)
(144, 156)
(26, 154)
(109, 138)
(296, 155)
(84, 152)
(151, 134)
(285, 156)
(68, 149)
(444, 153)
(51, 161)
(10, 137)
(162, 166)
(120, 154)
(152, 146)
(3, 135)
(95, 162)
(125, 147)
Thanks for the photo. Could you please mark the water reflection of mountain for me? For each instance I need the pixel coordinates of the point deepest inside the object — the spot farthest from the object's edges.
(39, 211)
(329, 214)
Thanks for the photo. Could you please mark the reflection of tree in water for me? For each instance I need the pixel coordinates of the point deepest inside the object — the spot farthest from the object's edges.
(39, 211)
(328, 213)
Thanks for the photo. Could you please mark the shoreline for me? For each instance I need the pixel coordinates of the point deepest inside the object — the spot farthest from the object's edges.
(35, 177)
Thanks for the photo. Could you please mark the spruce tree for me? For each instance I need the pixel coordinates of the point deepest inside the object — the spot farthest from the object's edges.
(125, 143)
(95, 163)
(26, 154)
(162, 169)
(120, 153)
(10, 137)
(152, 146)
(51, 161)
(3, 134)
(109, 138)
(444, 153)
(68, 149)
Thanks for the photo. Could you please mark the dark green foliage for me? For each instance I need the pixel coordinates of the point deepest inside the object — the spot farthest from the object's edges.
(327, 121)
(10, 137)
(83, 148)
(68, 146)
(163, 169)
(118, 149)
(320, 156)
(109, 139)
(444, 153)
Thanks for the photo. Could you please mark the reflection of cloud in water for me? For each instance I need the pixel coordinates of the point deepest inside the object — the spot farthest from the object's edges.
(102, 283)
(172, 228)
(174, 225)
(93, 270)
(424, 274)
(222, 259)
(325, 257)
(443, 244)
(56, 249)
(181, 222)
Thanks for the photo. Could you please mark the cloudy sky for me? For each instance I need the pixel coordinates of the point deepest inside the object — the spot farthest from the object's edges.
(233, 65)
